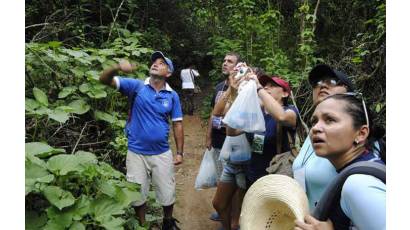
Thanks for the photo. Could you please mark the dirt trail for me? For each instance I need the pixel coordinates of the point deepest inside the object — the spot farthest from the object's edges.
(192, 207)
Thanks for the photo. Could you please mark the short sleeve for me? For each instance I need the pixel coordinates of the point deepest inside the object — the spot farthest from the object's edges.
(176, 113)
(363, 200)
(128, 85)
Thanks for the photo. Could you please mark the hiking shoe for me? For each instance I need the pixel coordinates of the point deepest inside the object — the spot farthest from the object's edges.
(170, 224)
(215, 217)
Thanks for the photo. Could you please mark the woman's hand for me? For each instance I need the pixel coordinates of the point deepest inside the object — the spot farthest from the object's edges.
(252, 76)
(313, 224)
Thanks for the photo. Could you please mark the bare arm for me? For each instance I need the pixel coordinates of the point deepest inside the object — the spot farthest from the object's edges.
(287, 117)
(179, 140)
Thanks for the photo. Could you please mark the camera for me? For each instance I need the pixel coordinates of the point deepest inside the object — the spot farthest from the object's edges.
(241, 72)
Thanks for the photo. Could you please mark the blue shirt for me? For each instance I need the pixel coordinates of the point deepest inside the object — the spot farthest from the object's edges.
(148, 130)
(318, 172)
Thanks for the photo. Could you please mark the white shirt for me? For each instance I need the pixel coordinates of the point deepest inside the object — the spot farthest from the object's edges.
(187, 78)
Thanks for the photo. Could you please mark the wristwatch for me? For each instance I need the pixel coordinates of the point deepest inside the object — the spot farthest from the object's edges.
(180, 153)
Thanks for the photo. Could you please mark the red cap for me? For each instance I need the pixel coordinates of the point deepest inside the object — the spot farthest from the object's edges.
(276, 80)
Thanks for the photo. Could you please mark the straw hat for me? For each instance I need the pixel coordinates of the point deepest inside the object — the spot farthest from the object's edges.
(273, 202)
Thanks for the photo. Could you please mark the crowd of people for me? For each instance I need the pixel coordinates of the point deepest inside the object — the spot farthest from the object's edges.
(342, 134)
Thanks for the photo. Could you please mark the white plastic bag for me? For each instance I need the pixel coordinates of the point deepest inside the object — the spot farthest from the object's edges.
(207, 175)
(236, 149)
(245, 113)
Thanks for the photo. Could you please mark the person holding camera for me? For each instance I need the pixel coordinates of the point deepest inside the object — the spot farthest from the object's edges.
(149, 157)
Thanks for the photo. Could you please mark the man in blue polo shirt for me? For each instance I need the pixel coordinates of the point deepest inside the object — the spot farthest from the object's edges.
(149, 157)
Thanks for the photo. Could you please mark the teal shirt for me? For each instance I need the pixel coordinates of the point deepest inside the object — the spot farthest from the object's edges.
(318, 171)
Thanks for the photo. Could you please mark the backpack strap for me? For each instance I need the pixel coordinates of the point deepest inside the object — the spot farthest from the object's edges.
(333, 191)
(279, 133)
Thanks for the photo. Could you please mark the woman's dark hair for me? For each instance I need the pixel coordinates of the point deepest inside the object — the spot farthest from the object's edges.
(354, 107)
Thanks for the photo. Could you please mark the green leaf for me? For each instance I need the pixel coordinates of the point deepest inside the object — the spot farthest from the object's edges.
(67, 91)
(77, 72)
(80, 208)
(93, 74)
(58, 197)
(34, 220)
(41, 149)
(58, 219)
(77, 226)
(63, 164)
(112, 223)
(99, 115)
(76, 53)
(108, 188)
(97, 93)
(40, 96)
(58, 115)
(54, 44)
(79, 106)
(35, 172)
(84, 88)
(31, 104)
(105, 206)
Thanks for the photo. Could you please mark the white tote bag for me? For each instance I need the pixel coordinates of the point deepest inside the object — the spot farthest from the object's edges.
(207, 175)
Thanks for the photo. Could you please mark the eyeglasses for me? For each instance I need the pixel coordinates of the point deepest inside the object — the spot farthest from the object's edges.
(359, 96)
(328, 81)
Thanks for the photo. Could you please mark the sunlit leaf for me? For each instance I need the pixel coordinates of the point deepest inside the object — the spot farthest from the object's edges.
(67, 91)
(79, 106)
(41, 149)
(40, 96)
(58, 197)
(31, 104)
(58, 115)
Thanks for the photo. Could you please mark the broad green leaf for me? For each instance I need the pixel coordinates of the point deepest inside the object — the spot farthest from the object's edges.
(76, 53)
(84, 88)
(67, 91)
(99, 115)
(31, 104)
(35, 173)
(79, 106)
(108, 188)
(105, 206)
(93, 74)
(97, 93)
(58, 197)
(34, 220)
(77, 226)
(77, 72)
(40, 96)
(58, 219)
(63, 164)
(42, 111)
(80, 208)
(41, 149)
(112, 223)
(64, 108)
(58, 115)
(85, 157)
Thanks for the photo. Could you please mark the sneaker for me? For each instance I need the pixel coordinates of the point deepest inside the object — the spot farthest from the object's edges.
(215, 217)
(170, 224)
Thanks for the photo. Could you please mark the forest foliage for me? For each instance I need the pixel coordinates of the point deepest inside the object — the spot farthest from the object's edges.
(75, 144)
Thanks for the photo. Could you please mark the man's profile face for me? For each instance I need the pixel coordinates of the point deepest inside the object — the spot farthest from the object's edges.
(228, 64)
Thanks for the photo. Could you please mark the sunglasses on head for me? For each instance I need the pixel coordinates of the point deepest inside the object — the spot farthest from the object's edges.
(359, 96)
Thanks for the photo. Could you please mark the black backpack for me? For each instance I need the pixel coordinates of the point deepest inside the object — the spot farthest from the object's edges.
(333, 192)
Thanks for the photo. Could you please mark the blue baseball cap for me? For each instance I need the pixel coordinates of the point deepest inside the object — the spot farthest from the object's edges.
(159, 54)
